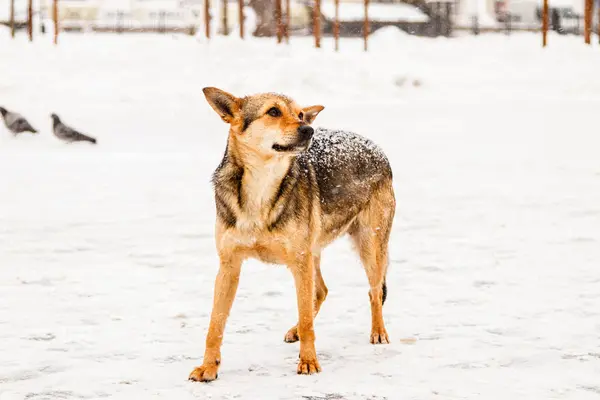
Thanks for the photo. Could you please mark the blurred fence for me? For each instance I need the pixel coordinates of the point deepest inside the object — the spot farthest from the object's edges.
(348, 19)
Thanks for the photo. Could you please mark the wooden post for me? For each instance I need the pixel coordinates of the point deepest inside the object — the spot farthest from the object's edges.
(12, 18)
(241, 17)
(288, 18)
(278, 21)
(225, 22)
(41, 19)
(207, 18)
(30, 20)
(366, 24)
(588, 16)
(317, 23)
(162, 15)
(336, 25)
(120, 21)
(55, 19)
(475, 25)
(448, 19)
(545, 24)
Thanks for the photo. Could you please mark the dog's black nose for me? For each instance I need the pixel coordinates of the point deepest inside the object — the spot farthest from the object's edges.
(306, 132)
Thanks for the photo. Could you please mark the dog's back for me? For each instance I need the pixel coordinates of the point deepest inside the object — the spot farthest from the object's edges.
(349, 169)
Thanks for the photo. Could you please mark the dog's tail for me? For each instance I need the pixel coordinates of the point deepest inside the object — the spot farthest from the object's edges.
(384, 290)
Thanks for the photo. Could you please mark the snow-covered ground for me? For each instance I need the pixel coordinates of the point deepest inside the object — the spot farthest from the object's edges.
(107, 258)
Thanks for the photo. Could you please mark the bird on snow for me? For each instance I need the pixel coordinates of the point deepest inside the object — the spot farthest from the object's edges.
(15, 122)
(68, 134)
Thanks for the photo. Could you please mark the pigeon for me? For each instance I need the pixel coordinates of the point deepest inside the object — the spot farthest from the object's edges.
(68, 134)
(15, 122)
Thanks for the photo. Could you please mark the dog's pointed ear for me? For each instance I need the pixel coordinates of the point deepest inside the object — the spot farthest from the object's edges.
(225, 104)
(310, 113)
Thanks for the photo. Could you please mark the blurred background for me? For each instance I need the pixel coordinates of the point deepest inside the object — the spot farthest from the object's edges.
(419, 17)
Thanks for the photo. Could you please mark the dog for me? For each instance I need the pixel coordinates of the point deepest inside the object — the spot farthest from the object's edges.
(283, 192)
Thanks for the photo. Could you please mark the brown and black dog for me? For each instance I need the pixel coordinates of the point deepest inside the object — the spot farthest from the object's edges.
(283, 192)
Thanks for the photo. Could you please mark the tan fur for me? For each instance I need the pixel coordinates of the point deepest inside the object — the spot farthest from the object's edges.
(298, 243)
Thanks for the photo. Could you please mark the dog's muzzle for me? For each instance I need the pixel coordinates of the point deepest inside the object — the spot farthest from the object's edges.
(305, 134)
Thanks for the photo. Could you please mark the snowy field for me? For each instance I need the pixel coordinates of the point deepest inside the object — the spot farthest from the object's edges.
(107, 256)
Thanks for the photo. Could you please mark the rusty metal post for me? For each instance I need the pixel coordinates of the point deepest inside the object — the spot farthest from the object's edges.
(588, 16)
(545, 24)
(336, 25)
(207, 18)
(317, 23)
(12, 18)
(55, 19)
(288, 18)
(225, 16)
(278, 21)
(241, 17)
(30, 20)
(366, 24)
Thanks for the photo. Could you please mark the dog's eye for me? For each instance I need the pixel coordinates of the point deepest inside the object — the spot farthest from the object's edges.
(274, 112)
(301, 116)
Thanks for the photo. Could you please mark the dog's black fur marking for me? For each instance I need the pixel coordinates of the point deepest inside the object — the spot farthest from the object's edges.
(237, 179)
(291, 205)
(288, 181)
(247, 121)
(284, 216)
(384, 290)
(224, 213)
(224, 184)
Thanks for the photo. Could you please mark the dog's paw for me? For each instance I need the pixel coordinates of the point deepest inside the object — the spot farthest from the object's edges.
(308, 367)
(204, 373)
(380, 337)
(292, 335)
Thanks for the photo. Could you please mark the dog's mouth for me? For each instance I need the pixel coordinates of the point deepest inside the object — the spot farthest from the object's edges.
(292, 148)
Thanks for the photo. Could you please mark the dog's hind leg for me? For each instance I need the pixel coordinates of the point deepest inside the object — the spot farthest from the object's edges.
(320, 295)
(370, 233)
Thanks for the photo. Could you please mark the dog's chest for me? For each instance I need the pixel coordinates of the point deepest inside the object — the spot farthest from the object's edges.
(254, 206)
(251, 234)
(258, 190)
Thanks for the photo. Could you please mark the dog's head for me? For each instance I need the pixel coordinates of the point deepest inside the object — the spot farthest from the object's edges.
(266, 124)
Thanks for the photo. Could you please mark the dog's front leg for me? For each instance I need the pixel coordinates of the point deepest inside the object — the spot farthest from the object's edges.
(303, 271)
(225, 288)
